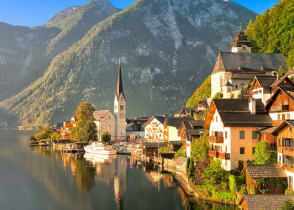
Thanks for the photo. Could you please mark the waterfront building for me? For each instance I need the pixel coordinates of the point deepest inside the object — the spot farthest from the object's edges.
(233, 70)
(233, 126)
(285, 148)
(154, 129)
(114, 123)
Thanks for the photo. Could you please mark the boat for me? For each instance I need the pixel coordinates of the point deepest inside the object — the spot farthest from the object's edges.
(99, 148)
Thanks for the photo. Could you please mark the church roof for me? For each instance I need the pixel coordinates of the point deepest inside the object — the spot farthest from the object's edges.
(119, 87)
(98, 115)
(248, 62)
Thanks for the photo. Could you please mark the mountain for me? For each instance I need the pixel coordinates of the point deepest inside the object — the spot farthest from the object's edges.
(272, 32)
(25, 53)
(167, 48)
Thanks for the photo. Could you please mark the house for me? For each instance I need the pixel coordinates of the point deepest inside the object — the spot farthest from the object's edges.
(265, 134)
(265, 171)
(285, 148)
(233, 70)
(154, 129)
(135, 131)
(202, 105)
(233, 126)
(267, 202)
(114, 123)
(185, 112)
(190, 130)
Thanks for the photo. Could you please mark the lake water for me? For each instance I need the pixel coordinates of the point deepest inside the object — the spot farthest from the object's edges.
(37, 179)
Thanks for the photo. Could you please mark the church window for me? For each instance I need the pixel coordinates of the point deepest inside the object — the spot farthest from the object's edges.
(121, 107)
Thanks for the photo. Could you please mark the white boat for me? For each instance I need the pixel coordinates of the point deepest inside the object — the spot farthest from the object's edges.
(99, 148)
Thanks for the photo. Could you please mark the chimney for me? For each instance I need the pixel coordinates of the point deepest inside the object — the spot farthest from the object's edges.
(252, 106)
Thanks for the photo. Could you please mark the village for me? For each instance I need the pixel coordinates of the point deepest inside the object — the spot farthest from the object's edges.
(236, 146)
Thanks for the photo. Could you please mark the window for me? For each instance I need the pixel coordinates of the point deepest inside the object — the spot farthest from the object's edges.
(242, 134)
(254, 134)
(253, 150)
(121, 107)
(242, 150)
(226, 134)
(290, 129)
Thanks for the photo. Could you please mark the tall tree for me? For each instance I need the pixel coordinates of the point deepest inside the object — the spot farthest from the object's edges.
(263, 154)
(85, 129)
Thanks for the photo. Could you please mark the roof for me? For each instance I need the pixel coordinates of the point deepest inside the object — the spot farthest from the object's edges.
(193, 132)
(241, 39)
(101, 114)
(119, 87)
(265, 80)
(267, 130)
(265, 171)
(176, 121)
(288, 91)
(159, 118)
(284, 78)
(155, 144)
(282, 125)
(268, 202)
(242, 62)
(235, 112)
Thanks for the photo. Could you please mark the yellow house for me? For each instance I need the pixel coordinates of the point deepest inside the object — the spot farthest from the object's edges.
(233, 125)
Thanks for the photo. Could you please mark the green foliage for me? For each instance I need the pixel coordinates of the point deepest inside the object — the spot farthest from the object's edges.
(214, 175)
(46, 135)
(282, 71)
(218, 95)
(164, 150)
(203, 92)
(199, 147)
(232, 183)
(289, 192)
(272, 32)
(191, 169)
(263, 153)
(106, 137)
(181, 153)
(288, 205)
(85, 129)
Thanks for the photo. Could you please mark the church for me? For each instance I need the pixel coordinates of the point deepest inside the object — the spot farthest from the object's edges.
(235, 69)
(114, 123)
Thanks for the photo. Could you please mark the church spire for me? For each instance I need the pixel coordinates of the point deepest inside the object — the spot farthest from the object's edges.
(119, 87)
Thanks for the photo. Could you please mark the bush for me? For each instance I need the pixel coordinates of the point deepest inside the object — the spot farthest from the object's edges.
(263, 153)
(218, 95)
(288, 205)
(164, 150)
(181, 153)
(232, 183)
(106, 137)
(289, 192)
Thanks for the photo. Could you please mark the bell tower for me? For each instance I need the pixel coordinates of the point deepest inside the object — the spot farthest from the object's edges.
(241, 43)
(120, 109)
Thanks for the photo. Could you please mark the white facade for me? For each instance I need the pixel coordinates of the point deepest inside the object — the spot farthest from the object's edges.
(282, 116)
(154, 130)
(173, 134)
(242, 49)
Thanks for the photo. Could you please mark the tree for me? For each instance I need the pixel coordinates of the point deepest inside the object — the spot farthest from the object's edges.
(199, 147)
(106, 137)
(282, 71)
(46, 135)
(218, 95)
(263, 154)
(85, 129)
(288, 205)
(214, 175)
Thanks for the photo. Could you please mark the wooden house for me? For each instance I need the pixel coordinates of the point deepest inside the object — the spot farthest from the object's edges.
(265, 171)
(233, 125)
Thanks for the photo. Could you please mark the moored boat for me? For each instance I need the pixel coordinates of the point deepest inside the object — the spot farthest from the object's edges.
(99, 148)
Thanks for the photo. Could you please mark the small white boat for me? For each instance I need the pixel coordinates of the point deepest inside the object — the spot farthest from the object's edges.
(99, 148)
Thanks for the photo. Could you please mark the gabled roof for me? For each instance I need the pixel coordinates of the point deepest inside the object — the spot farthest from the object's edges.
(176, 121)
(268, 202)
(248, 62)
(159, 118)
(283, 79)
(283, 125)
(98, 115)
(265, 80)
(265, 171)
(235, 112)
(288, 91)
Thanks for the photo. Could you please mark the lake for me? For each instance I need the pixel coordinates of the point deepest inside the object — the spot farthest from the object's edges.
(40, 178)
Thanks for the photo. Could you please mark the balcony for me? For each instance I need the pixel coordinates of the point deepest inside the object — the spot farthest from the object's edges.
(212, 153)
(288, 151)
(216, 139)
(224, 156)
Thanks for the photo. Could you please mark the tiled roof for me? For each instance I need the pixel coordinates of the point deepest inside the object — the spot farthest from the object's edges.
(267, 130)
(266, 202)
(265, 171)
(160, 118)
(235, 112)
(176, 121)
(282, 125)
(100, 114)
(252, 61)
(193, 132)
(266, 80)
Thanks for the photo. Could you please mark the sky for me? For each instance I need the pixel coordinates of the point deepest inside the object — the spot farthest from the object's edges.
(38, 12)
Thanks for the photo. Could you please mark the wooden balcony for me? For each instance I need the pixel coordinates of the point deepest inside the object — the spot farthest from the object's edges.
(288, 151)
(224, 156)
(288, 167)
(212, 153)
(216, 139)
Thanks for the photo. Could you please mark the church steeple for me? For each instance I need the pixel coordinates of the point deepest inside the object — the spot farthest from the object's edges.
(119, 87)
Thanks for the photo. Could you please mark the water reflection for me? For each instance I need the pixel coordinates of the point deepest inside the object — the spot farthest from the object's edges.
(46, 179)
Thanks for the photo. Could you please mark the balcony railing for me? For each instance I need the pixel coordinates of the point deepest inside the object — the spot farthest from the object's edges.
(224, 156)
(212, 153)
(216, 139)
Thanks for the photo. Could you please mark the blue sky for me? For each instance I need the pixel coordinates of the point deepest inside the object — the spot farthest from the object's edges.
(38, 12)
